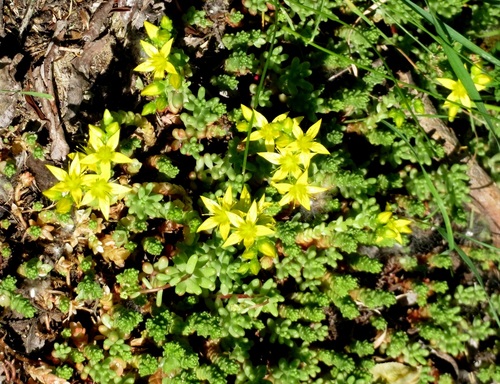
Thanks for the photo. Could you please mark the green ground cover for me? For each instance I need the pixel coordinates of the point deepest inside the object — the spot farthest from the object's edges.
(296, 198)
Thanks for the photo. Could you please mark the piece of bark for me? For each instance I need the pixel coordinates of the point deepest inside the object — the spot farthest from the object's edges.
(9, 87)
(483, 190)
(98, 22)
(44, 82)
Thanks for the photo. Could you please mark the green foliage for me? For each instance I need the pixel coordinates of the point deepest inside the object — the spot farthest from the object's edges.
(292, 81)
(240, 63)
(143, 202)
(242, 40)
(192, 274)
(203, 112)
(176, 357)
(165, 166)
(126, 320)
(196, 17)
(225, 82)
(64, 372)
(11, 299)
(275, 239)
(34, 268)
(34, 231)
(152, 245)
(129, 283)
(255, 6)
(9, 169)
(147, 365)
(89, 288)
(162, 324)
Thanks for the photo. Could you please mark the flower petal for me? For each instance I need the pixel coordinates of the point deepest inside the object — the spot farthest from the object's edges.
(170, 68)
(447, 83)
(104, 207)
(59, 173)
(235, 220)
(120, 158)
(147, 66)
(207, 224)
(113, 140)
(312, 132)
(318, 148)
(53, 194)
(211, 205)
(119, 191)
(149, 49)
(151, 30)
(262, 230)
(165, 50)
(235, 238)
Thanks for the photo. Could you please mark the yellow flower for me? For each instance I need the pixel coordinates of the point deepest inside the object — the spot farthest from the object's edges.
(246, 229)
(102, 193)
(157, 62)
(305, 144)
(300, 192)
(459, 97)
(101, 152)
(289, 163)
(277, 130)
(479, 78)
(70, 182)
(219, 214)
(391, 228)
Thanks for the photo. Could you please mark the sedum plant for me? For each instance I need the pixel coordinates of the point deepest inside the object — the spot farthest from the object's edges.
(281, 249)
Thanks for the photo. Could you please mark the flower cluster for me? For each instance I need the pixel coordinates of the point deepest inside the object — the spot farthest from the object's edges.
(242, 221)
(87, 180)
(291, 150)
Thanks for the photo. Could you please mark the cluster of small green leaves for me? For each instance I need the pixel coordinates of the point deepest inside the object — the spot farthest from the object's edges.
(286, 263)
(9, 298)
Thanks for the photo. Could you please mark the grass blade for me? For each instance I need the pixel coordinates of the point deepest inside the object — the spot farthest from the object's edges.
(30, 93)
(456, 36)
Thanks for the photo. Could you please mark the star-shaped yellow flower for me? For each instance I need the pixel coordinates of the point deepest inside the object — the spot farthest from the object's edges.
(304, 144)
(71, 182)
(391, 228)
(219, 214)
(289, 162)
(246, 229)
(275, 131)
(459, 97)
(300, 192)
(157, 62)
(101, 152)
(102, 193)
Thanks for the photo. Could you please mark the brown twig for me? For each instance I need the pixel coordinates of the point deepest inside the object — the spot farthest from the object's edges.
(2, 31)
(27, 17)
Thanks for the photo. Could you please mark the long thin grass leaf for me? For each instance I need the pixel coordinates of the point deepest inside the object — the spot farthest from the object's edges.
(459, 38)
(461, 72)
(318, 20)
(30, 93)
(257, 95)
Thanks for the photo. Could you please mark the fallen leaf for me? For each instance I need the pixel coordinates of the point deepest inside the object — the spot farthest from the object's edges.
(44, 375)
(395, 373)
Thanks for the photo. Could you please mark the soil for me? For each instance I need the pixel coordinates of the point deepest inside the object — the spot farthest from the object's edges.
(82, 53)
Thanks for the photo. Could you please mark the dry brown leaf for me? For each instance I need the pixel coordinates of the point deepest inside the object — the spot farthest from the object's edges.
(111, 252)
(44, 374)
(396, 373)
